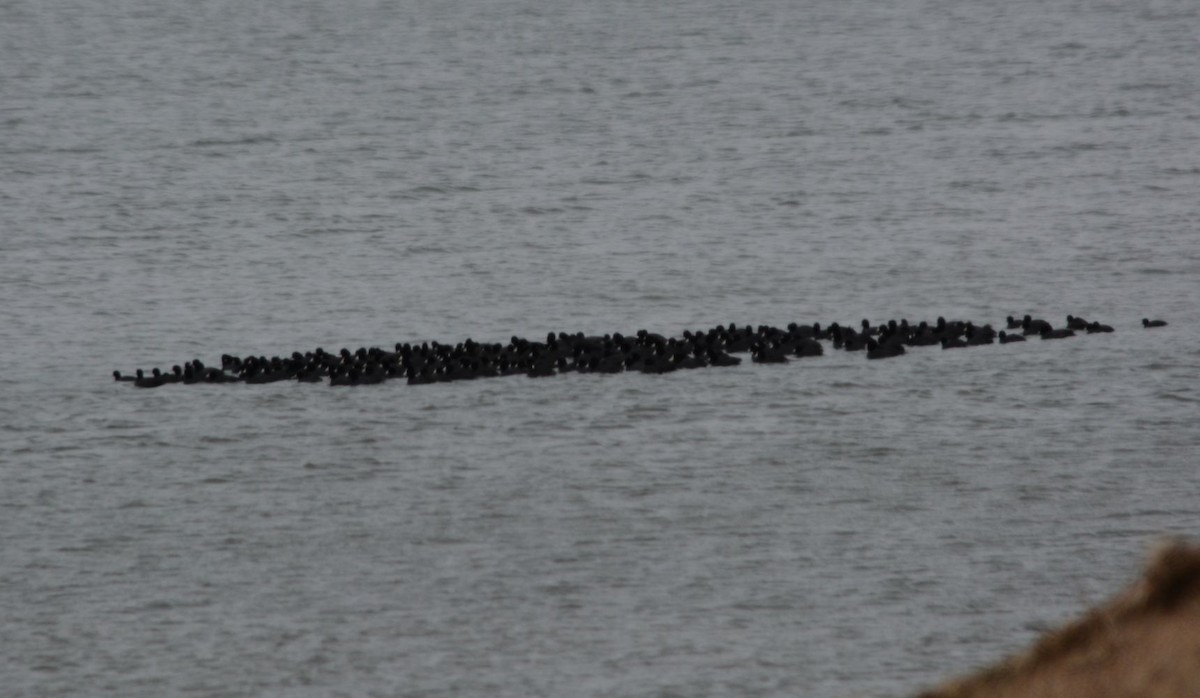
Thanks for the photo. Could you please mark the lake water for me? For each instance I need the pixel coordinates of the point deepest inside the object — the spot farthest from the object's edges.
(180, 180)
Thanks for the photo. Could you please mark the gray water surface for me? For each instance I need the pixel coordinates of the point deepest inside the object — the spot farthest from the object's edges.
(179, 180)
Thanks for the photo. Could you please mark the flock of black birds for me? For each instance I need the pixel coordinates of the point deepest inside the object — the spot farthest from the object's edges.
(647, 352)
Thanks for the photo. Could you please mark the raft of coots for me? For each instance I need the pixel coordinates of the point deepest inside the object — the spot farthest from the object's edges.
(646, 352)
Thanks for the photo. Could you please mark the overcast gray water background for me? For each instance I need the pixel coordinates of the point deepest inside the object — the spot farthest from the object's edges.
(183, 179)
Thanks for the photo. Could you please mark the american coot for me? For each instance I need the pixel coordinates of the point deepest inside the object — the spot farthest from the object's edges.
(1031, 325)
(144, 381)
(766, 354)
(564, 353)
(716, 357)
(875, 350)
(1057, 334)
(808, 347)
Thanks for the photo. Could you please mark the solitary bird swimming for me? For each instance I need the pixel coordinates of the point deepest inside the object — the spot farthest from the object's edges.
(1153, 323)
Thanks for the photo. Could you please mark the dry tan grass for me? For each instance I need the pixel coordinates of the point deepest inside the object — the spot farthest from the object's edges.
(1144, 643)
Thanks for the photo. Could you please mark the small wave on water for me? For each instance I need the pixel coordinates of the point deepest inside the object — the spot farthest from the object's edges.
(228, 142)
